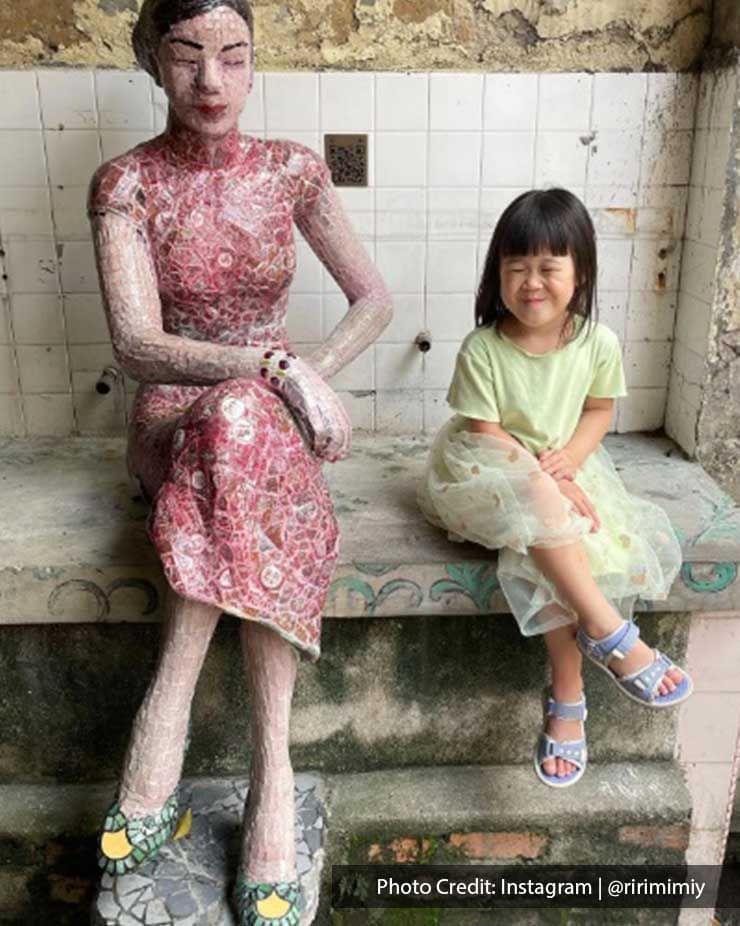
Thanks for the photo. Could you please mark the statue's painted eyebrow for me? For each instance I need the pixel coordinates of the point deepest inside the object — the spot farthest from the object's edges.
(235, 45)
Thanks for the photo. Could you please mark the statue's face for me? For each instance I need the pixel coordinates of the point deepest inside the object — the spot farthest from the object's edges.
(205, 65)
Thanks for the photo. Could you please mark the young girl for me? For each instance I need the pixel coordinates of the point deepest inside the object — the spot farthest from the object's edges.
(521, 468)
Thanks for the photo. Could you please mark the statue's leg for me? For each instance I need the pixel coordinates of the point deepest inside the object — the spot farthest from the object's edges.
(268, 853)
(155, 753)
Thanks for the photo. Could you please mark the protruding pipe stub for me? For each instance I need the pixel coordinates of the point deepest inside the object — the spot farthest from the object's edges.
(107, 380)
(423, 341)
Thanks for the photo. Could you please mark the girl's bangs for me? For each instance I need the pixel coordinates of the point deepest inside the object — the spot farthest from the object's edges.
(532, 230)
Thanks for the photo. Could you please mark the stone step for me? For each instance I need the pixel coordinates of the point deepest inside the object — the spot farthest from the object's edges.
(386, 693)
(619, 813)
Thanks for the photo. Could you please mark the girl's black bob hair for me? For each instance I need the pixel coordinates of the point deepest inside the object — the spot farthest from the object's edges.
(536, 222)
(157, 17)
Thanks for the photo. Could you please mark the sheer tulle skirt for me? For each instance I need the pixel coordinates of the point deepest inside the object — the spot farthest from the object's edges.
(482, 489)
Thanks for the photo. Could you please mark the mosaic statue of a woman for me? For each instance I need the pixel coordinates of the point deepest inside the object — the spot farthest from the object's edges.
(194, 240)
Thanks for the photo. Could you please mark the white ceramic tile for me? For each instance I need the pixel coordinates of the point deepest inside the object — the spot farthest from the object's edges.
(724, 98)
(292, 102)
(311, 140)
(453, 213)
(99, 414)
(8, 372)
(436, 410)
(614, 158)
(360, 407)
(698, 270)
(347, 102)
(91, 358)
(20, 109)
(334, 308)
(651, 316)
(304, 317)
(455, 102)
(79, 274)
(85, 319)
(32, 266)
(699, 157)
(646, 363)
(398, 366)
(5, 335)
(401, 159)
(454, 159)
(407, 321)
(37, 319)
(610, 197)
(43, 368)
(252, 119)
(671, 101)
(307, 277)
(704, 100)
(450, 267)
(450, 316)
(401, 264)
(402, 102)
(564, 102)
(613, 311)
(666, 158)
(439, 364)
(399, 411)
(692, 322)
(70, 213)
(11, 419)
(656, 264)
(24, 212)
(718, 157)
(22, 160)
(67, 99)
(710, 213)
(560, 159)
(117, 143)
(124, 100)
(642, 410)
(49, 414)
(662, 210)
(492, 204)
(401, 213)
(73, 157)
(359, 374)
(160, 107)
(614, 264)
(508, 159)
(619, 102)
(510, 103)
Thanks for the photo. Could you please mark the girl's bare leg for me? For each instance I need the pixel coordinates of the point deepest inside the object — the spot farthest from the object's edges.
(567, 685)
(568, 569)
(270, 662)
(155, 753)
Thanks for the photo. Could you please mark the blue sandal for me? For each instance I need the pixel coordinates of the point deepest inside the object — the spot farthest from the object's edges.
(571, 750)
(640, 686)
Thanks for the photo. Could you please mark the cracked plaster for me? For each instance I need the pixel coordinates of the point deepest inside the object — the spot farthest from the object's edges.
(532, 35)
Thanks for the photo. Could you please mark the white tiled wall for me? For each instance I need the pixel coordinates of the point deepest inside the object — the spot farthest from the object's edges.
(447, 153)
(718, 92)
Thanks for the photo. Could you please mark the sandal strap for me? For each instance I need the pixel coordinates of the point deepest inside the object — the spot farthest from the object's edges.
(566, 710)
(615, 646)
(644, 682)
(571, 750)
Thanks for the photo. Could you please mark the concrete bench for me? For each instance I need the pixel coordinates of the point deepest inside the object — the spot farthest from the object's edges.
(450, 689)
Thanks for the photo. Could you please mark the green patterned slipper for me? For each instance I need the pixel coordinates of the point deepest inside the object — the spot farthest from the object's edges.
(267, 904)
(126, 844)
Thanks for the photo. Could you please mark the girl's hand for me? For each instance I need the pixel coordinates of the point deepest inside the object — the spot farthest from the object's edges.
(314, 403)
(581, 502)
(559, 464)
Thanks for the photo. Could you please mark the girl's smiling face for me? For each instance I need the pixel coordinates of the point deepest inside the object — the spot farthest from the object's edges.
(538, 288)
(205, 65)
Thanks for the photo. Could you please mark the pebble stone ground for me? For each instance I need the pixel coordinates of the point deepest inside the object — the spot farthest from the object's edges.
(190, 882)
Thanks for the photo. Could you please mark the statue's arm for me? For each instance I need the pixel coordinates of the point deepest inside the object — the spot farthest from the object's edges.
(328, 231)
(141, 346)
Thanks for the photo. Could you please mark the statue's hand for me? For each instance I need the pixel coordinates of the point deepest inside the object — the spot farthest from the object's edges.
(313, 402)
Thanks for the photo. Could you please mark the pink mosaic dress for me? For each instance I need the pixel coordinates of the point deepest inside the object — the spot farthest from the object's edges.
(242, 518)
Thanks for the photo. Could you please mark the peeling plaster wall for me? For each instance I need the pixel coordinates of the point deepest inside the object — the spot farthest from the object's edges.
(499, 35)
(726, 31)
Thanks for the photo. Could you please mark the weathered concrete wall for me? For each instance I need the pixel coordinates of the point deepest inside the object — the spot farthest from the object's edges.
(499, 35)
(726, 29)
(718, 430)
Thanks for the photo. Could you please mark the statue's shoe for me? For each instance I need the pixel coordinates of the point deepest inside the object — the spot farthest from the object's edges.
(267, 904)
(126, 844)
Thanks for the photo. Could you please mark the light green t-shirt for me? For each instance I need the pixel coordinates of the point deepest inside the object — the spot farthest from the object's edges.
(538, 398)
